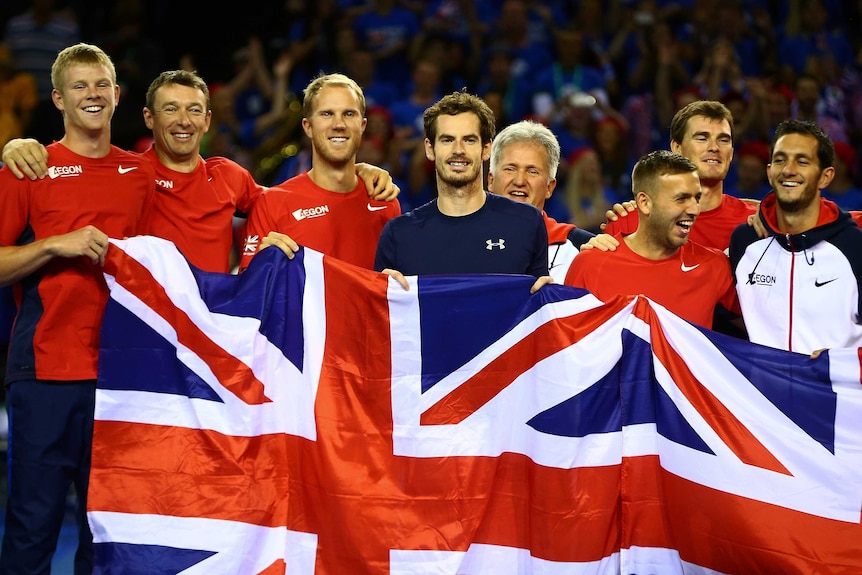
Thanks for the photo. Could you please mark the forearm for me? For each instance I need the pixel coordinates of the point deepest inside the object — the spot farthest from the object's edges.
(18, 262)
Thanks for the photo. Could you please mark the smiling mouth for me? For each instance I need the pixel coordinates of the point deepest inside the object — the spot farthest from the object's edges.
(685, 225)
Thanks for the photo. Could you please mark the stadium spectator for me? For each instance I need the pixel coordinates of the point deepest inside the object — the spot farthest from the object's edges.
(749, 167)
(18, 97)
(35, 37)
(842, 189)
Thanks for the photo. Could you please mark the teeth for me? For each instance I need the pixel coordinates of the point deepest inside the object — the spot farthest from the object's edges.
(92, 108)
(339, 139)
(789, 184)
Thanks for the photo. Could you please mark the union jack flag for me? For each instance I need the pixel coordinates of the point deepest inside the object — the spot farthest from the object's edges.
(311, 417)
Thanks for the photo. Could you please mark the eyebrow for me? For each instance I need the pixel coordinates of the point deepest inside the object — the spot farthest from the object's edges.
(447, 135)
(793, 154)
(707, 133)
(177, 103)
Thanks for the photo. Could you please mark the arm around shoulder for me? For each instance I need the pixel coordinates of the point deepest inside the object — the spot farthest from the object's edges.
(378, 182)
(26, 157)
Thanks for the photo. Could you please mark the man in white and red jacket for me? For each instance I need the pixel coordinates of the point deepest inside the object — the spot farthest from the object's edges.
(799, 287)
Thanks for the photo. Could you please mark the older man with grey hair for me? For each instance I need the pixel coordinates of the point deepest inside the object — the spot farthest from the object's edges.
(524, 161)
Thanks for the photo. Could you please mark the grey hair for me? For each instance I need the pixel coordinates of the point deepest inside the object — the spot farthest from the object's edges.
(527, 131)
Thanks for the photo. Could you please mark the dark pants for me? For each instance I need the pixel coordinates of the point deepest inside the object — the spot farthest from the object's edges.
(50, 438)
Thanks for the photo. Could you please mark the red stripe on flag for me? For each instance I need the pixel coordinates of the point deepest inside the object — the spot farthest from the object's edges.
(164, 470)
(397, 502)
(233, 374)
(277, 568)
(542, 343)
(732, 432)
(859, 355)
(730, 533)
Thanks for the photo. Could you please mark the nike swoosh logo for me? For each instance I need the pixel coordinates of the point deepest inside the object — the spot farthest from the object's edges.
(123, 170)
(819, 284)
(686, 268)
(375, 208)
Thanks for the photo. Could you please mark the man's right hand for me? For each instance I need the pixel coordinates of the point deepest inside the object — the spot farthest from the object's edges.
(397, 276)
(282, 241)
(619, 210)
(759, 228)
(603, 242)
(378, 182)
(89, 241)
(26, 157)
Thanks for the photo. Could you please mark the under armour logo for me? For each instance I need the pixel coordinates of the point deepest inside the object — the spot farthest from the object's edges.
(500, 244)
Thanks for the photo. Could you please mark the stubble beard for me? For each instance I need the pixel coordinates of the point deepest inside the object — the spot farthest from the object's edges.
(456, 181)
(799, 204)
(339, 159)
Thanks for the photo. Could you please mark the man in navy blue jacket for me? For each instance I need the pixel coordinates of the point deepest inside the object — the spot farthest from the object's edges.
(465, 229)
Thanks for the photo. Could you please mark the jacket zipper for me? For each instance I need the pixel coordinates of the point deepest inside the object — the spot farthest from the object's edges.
(790, 298)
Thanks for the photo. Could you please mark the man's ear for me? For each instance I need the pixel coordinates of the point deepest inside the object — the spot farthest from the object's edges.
(148, 118)
(429, 150)
(551, 186)
(643, 202)
(826, 178)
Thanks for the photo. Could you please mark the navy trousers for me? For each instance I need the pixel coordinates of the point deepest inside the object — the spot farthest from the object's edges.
(50, 439)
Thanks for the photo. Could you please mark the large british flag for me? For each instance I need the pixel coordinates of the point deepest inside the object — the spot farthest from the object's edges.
(308, 417)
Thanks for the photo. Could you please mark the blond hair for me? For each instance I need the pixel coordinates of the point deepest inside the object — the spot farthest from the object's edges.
(326, 80)
(81, 53)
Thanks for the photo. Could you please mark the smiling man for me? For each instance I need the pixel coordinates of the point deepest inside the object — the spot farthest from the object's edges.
(466, 229)
(196, 199)
(54, 236)
(799, 287)
(327, 208)
(702, 131)
(524, 161)
(658, 260)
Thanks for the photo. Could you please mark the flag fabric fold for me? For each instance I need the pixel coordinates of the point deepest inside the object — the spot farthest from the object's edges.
(311, 417)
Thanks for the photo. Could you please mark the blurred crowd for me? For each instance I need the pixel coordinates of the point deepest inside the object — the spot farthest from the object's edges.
(606, 77)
